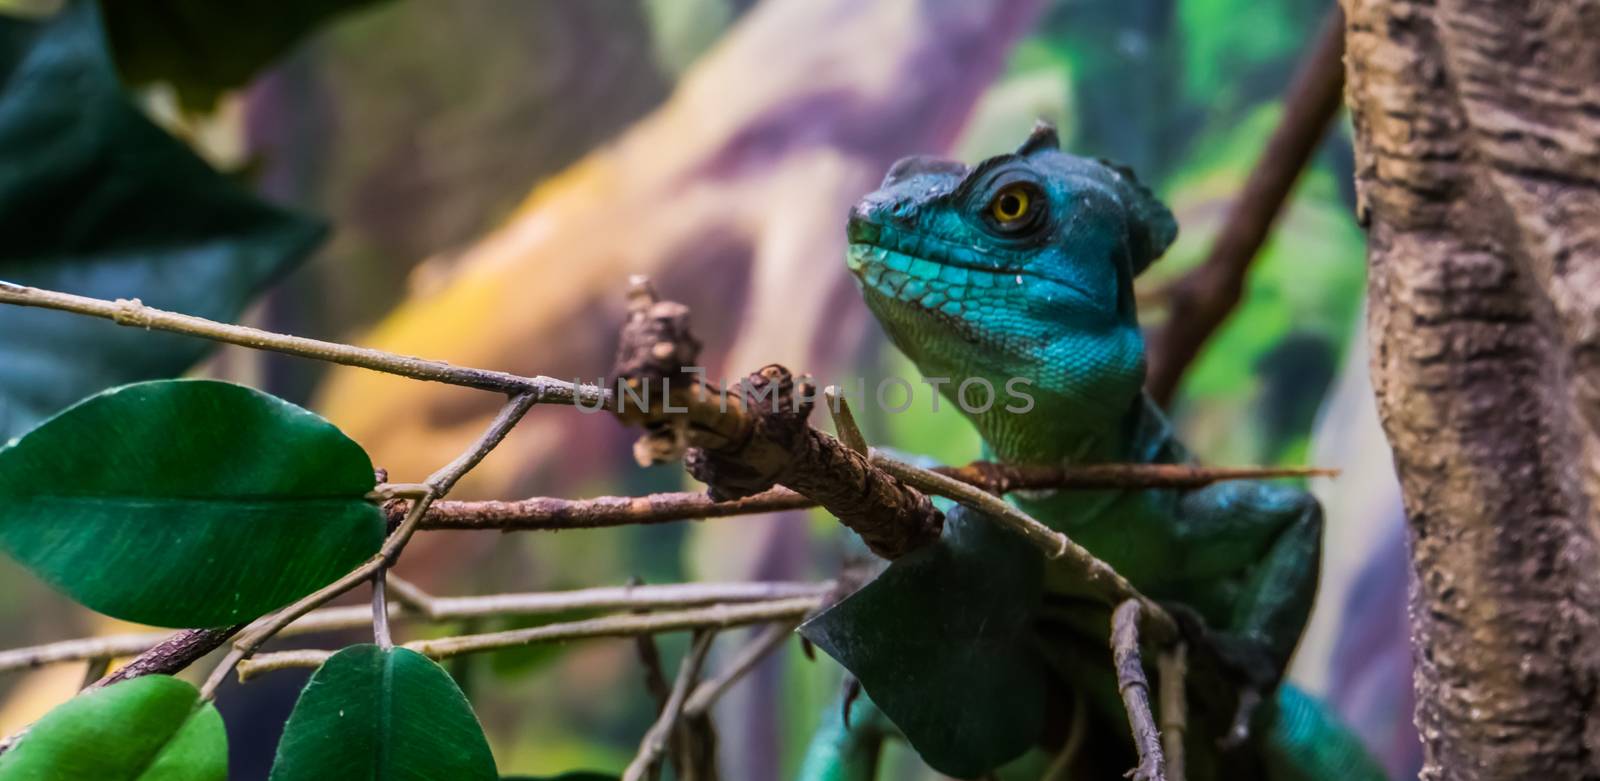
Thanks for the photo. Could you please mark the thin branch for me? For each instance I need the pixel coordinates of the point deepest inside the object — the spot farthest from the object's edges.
(79, 650)
(1135, 691)
(265, 628)
(132, 313)
(1199, 301)
(1172, 665)
(720, 616)
(551, 514)
(439, 483)
(668, 596)
(646, 763)
(999, 478)
(1053, 543)
(1099, 576)
(407, 593)
(706, 694)
(172, 653)
(655, 677)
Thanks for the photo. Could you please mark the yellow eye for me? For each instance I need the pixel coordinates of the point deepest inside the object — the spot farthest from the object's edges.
(1011, 204)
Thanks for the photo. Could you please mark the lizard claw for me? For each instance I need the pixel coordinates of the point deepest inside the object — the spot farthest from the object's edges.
(852, 690)
(1244, 660)
(1239, 732)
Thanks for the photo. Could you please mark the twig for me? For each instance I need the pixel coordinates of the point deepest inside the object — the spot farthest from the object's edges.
(546, 390)
(1109, 584)
(1053, 543)
(1199, 301)
(439, 483)
(407, 593)
(1135, 690)
(645, 764)
(706, 694)
(171, 654)
(551, 514)
(715, 616)
(655, 678)
(667, 596)
(999, 478)
(1172, 666)
(79, 650)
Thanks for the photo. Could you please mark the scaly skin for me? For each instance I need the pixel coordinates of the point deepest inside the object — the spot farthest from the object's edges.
(1023, 267)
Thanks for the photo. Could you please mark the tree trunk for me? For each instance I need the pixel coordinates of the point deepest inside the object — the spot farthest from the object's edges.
(1478, 168)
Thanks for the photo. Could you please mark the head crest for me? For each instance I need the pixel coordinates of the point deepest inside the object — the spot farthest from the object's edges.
(1042, 137)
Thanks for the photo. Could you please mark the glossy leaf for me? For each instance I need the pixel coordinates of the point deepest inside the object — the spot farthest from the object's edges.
(144, 729)
(96, 200)
(203, 47)
(187, 503)
(943, 642)
(374, 714)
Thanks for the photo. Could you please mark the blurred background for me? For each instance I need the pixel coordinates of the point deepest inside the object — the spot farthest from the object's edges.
(490, 172)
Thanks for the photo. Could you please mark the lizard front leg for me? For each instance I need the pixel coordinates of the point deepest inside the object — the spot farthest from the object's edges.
(1252, 553)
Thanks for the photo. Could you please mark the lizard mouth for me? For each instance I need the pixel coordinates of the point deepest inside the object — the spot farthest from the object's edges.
(865, 234)
(936, 273)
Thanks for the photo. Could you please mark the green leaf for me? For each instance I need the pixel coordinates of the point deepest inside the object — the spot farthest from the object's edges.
(203, 47)
(943, 642)
(96, 200)
(187, 503)
(144, 729)
(394, 715)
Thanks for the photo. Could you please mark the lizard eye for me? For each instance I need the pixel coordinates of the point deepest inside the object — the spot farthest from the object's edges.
(1013, 207)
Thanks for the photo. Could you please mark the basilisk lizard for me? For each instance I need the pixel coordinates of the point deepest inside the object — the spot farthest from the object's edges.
(978, 651)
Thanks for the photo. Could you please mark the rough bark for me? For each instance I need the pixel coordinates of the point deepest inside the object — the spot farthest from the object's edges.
(1478, 168)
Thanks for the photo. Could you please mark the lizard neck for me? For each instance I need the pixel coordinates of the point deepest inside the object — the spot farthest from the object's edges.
(1049, 434)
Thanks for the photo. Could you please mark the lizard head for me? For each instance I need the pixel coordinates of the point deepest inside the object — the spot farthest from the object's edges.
(1019, 267)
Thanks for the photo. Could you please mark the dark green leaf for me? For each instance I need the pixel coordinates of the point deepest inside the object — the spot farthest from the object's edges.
(394, 715)
(143, 729)
(96, 200)
(187, 502)
(943, 642)
(204, 47)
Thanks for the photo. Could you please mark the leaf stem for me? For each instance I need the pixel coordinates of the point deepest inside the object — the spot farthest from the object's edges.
(380, 610)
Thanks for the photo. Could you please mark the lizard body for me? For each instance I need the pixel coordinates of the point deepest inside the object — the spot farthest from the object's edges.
(1023, 267)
